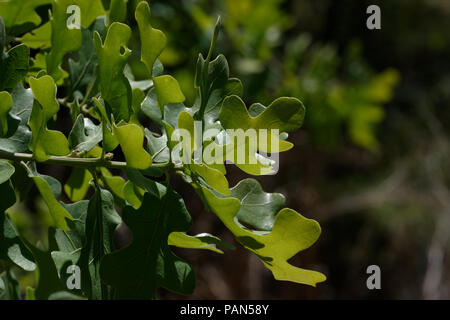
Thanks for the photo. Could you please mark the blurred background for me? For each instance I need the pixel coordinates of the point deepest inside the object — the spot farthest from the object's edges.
(371, 163)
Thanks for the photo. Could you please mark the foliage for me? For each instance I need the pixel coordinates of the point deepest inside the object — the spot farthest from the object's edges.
(347, 98)
(85, 71)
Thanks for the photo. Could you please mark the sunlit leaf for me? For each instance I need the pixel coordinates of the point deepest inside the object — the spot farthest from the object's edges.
(284, 114)
(45, 142)
(153, 41)
(40, 38)
(131, 140)
(203, 241)
(167, 91)
(78, 185)
(50, 189)
(290, 234)
(16, 12)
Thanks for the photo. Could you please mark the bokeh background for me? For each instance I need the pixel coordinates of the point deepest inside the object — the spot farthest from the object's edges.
(371, 163)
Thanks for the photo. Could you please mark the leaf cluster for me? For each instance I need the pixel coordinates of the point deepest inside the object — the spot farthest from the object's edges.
(85, 71)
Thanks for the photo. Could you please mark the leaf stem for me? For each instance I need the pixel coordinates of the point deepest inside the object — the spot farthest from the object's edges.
(204, 90)
(73, 162)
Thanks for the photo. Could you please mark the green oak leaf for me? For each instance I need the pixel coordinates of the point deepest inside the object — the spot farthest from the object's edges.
(38, 65)
(241, 153)
(137, 270)
(6, 104)
(45, 142)
(212, 109)
(69, 243)
(210, 76)
(147, 185)
(22, 103)
(213, 178)
(66, 39)
(157, 147)
(110, 142)
(63, 39)
(258, 208)
(204, 241)
(11, 247)
(47, 274)
(290, 234)
(40, 38)
(72, 240)
(17, 12)
(153, 41)
(50, 189)
(112, 58)
(138, 98)
(82, 69)
(6, 171)
(167, 91)
(150, 107)
(101, 222)
(131, 140)
(143, 85)
(284, 114)
(77, 185)
(217, 76)
(113, 183)
(85, 135)
(186, 123)
(170, 112)
(117, 11)
(90, 238)
(14, 65)
(90, 10)
(133, 194)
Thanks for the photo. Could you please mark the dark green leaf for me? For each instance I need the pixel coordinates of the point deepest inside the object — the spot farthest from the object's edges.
(14, 66)
(137, 270)
(22, 105)
(85, 135)
(101, 222)
(258, 208)
(47, 274)
(83, 69)
(11, 247)
(115, 88)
